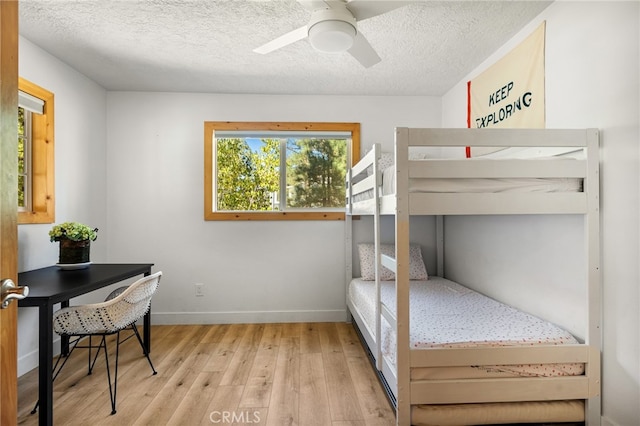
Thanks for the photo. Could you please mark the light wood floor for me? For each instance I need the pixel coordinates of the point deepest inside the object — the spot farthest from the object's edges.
(253, 374)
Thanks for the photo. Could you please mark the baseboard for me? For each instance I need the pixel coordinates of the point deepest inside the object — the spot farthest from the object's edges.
(246, 317)
(607, 422)
(30, 361)
(27, 362)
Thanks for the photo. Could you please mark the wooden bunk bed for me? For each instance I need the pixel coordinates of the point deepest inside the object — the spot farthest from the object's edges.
(450, 399)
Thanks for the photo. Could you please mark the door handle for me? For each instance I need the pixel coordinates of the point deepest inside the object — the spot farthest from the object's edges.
(9, 291)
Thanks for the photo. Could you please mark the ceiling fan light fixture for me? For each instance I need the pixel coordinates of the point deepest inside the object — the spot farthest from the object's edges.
(332, 36)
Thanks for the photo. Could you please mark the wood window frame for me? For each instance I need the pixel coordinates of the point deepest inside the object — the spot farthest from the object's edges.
(211, 126)
(42, 158)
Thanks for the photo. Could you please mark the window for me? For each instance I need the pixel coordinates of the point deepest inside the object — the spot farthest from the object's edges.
(24, 159)
(277, 171)
(35, 154)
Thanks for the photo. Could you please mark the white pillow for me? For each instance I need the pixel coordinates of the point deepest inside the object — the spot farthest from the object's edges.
(418, 155)
(366, 252)
(386, 161)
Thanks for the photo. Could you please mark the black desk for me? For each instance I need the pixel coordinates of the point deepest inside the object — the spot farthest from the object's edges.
(49, 286)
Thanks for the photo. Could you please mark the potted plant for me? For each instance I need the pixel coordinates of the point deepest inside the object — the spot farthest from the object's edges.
(75, 242)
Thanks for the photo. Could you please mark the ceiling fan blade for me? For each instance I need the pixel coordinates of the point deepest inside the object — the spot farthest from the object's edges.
(314, 5)
(362, 10)
(363, 52)
(283, 40)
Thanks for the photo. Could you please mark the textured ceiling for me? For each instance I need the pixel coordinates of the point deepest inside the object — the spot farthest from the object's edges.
(207, 45)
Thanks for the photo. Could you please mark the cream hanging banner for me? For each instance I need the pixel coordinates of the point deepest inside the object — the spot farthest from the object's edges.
(511, 92)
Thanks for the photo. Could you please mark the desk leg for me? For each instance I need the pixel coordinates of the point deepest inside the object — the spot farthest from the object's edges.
(64, 340)
(45, 368)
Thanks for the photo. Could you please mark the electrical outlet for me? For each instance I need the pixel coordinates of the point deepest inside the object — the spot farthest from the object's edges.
(199, 289)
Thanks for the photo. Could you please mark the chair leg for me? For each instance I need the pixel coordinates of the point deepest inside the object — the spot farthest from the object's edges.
(112, 388)
(95, 358)
(89, 366)
(144, 349)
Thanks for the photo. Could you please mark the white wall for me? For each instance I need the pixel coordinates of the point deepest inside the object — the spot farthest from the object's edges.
(592, 80)
(251, 271)
(80, 179)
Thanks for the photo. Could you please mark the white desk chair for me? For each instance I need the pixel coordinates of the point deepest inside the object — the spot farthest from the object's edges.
(120, 311)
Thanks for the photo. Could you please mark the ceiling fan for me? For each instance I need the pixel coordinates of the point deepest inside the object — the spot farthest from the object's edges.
(333, 28)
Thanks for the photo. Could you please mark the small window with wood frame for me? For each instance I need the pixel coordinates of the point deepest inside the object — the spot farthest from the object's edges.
(276, 170)
(36, 200)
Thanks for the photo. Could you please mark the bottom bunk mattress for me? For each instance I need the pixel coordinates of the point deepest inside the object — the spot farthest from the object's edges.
(444, 314)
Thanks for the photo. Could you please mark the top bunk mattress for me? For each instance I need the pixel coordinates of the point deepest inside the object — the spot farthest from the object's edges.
(474, 185)
(444, 314)
(482, 185)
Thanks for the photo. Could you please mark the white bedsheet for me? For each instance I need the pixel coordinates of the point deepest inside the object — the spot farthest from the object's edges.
(445, 314)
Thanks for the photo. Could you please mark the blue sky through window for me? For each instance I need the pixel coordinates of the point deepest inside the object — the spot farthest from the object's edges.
(254, 143)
